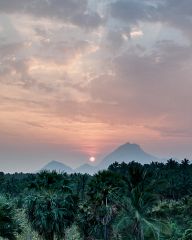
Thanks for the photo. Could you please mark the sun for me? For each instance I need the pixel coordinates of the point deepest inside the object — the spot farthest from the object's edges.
(92, 159)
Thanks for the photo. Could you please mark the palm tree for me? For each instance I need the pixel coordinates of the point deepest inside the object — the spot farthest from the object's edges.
(137, 205)
(187, 235)
(48, 180)
(50, 214)
(172, 164)
(96, 215)
(86, 220)
(185, 163)
(136, 216)
(81, 185)
(9, 226)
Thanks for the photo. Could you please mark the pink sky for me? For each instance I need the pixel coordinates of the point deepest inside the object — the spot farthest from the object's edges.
(78, 78)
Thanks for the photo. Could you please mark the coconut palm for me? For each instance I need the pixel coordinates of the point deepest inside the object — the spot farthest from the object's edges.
(9, 226)
(172, 164)
(96, 214)
(185, 163)
(187, 235)
(137, 205)
(50, 214)
(100, 189)
(81, 185)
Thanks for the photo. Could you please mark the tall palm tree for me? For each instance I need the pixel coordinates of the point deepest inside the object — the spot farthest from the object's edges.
(96, 215)
(172, 164)
(185, 163)
(81, 185)
(137, 205)
(48, 180)
(9, 226)
(50, 214)
(187, 235)
(135, 215)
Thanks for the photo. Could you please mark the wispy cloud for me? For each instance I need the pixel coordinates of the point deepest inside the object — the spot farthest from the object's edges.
(91, 74)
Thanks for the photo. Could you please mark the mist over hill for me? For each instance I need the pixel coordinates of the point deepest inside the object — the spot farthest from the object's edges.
(86, 168)
(58, 167)
(125, 153)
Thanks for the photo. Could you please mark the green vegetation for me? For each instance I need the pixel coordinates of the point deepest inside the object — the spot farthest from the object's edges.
(9, 225)
(125, 202)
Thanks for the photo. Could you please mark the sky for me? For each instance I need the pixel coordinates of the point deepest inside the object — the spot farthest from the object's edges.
(80, 77)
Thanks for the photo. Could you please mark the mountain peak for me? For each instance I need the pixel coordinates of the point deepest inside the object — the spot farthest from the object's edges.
(126, 153)
(54, 162)
(57, 166)
(128, 145)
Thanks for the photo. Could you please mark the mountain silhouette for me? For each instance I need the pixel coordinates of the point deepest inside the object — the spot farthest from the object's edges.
(86, 168)
(126, 153)
(58, 167)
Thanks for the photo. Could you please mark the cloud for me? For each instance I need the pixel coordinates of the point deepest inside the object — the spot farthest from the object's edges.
(10, 50)
(94, 74)
(175, 13)
(132, 11)
(178, 15)
(69, 11)
(147, 86)
(88, 20)
(36, 70)
(173, 132)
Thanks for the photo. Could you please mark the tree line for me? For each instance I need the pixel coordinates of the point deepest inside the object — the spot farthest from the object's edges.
(125, 202)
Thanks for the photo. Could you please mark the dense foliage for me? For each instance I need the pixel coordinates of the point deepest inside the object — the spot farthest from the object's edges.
(126, 202)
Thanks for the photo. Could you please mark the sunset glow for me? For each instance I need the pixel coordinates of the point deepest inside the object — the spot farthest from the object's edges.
(92, 159)
(78, 78)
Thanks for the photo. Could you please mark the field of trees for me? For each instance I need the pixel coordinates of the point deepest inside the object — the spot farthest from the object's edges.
(125, 202)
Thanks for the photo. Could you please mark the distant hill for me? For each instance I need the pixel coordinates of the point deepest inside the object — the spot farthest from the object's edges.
(126, 153)
(58, 167)
(86, 168)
